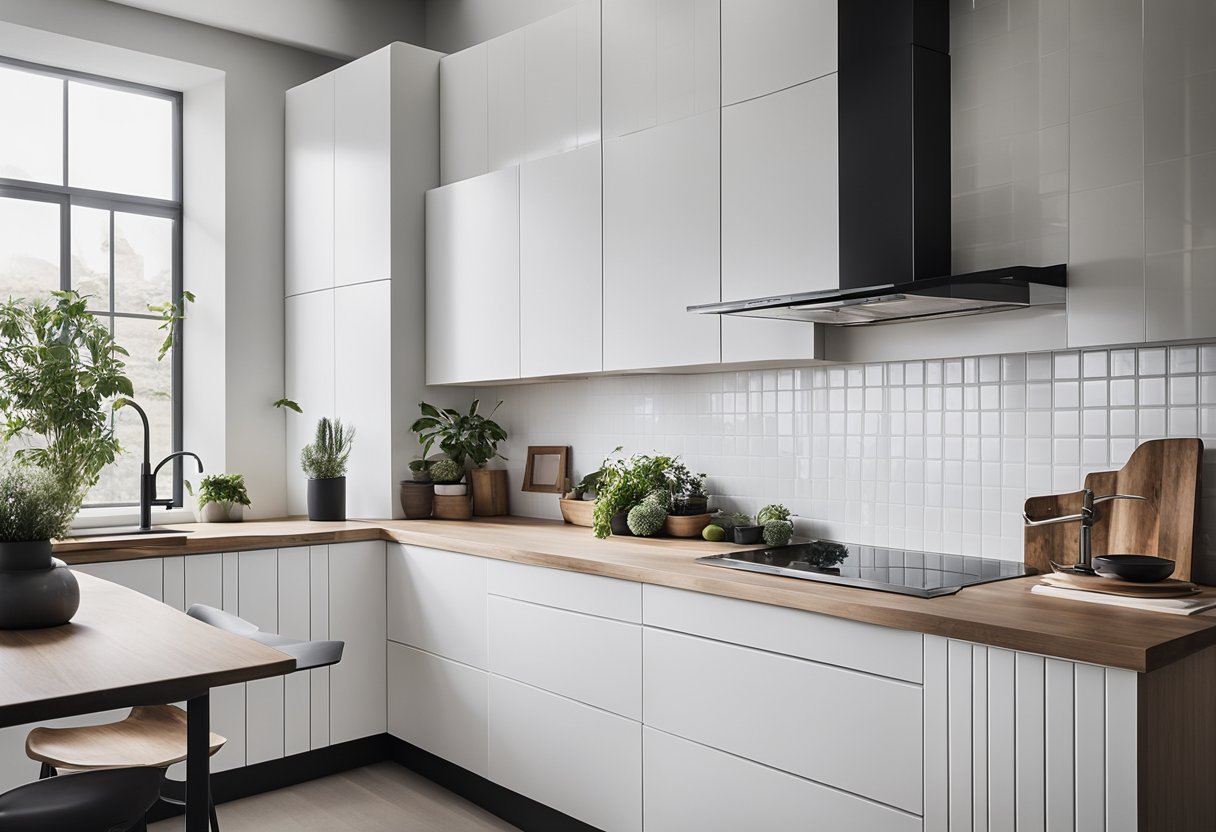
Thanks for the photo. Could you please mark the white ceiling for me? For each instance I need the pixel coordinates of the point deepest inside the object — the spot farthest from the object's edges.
(341, 28)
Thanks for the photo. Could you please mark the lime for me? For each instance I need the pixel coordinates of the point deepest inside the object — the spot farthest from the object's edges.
(714, 534)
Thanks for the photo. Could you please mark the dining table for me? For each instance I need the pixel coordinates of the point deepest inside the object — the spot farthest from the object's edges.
(123, 649)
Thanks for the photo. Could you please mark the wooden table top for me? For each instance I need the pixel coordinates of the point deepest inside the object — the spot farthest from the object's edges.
(121, 649)
(1003, 614)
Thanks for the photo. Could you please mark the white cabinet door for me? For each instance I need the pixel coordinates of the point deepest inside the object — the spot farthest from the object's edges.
(357, 616)
(463, 140)
(576, 591)
(684, 789)
(551, 85)
(780, 212)
(295, 621)
(309, 380)
(561, 265)
(879, 757)
(506, 109)
(205, 581)
(589, 72)
(145, 575)
(437, 602)
(661, 245)
(768, 45)
(363, 231)
(579, 760)
(258, 603)
(438, 705)
(472, 279)
(310, 186)
(318, 611)
(363, 394)
(661, 62)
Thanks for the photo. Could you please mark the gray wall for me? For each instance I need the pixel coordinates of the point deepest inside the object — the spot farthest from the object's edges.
(452, 25)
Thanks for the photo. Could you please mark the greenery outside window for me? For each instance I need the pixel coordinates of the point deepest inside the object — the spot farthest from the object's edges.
(91, 200)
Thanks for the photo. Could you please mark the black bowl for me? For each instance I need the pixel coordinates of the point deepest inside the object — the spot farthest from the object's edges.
(1142, 569)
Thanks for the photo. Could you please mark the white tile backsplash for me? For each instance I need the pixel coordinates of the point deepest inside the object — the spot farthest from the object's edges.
(931, 454)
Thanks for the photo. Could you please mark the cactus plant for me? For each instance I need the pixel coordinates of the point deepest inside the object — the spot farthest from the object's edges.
(646, 518)
(329, 453)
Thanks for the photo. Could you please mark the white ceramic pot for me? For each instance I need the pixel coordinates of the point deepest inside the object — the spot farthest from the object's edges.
(458, 489)
(221, 513)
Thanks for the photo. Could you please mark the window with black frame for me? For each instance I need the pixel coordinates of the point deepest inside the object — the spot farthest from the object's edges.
(90, 200)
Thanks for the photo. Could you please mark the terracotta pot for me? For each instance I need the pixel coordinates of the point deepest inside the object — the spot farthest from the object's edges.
(578, 512)
(417, 499)
(489, 492)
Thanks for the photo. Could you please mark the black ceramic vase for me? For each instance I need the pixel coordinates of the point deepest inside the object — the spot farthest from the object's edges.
(327, 499)
(36, 590)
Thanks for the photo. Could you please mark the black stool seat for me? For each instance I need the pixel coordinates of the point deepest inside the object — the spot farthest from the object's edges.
(112, 800)
(308, 654)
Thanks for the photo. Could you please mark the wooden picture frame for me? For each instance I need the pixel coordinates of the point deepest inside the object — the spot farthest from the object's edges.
(540, 469)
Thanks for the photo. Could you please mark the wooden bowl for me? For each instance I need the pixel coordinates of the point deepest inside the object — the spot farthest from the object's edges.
(452, 507)
(685, 525)
(577, 512)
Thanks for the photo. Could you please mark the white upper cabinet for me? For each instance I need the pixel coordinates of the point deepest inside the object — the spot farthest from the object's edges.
(661, 62)
(662, 245)
(506, 60)
(551, 85)
(310, 186)
(472, 279)
(363, 232)
(561, 265)
(780, 212)
(463, 114)
(768, 45)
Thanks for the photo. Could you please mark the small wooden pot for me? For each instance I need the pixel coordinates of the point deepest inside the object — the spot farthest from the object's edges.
(452, 508)
(489, 491)
(685, 525)
(417, 499)
(578, 512)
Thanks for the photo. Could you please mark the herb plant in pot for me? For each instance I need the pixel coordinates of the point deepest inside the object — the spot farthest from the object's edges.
(417, 494)
(222, 498)
(36, 590)
(324, 462)
(624, 484)
(467, 437)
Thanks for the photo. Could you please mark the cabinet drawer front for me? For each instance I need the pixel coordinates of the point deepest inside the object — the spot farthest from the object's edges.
(438, 705)
(591, 594)
(807, 635)
(593, 660)
(853, 731)
(581, 761)
(684, 789)
(437, 602)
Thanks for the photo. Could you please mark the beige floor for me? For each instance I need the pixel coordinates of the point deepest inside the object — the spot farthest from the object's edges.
(381, 798)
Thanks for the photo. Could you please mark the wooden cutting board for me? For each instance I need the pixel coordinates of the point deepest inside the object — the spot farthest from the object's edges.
(1169, 588)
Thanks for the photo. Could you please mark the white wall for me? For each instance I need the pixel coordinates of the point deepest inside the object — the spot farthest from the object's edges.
(452, 25)
(234, 337)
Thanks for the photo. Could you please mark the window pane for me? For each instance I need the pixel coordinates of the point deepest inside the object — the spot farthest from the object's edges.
(91, 255)
(143, 261)
(153, 390)
(119, 141)
(31, 144)
(29, 248)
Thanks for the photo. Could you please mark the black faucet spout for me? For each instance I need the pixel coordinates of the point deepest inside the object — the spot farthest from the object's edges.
(147, 475)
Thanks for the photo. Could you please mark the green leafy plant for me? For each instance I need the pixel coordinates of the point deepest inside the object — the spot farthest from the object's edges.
(646, 518)
(729, 519)
(589, 483)
(171, 313)
(35, 504)
(777, 532)
(626, 482)
(447, 471)
(775, 511)
(327, 457)
(223, 488)
(61, 371)
(683, 482)
(289, 404)
(462, 436)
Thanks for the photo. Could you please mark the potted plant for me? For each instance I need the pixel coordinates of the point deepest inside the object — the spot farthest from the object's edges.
(576, 509)
(420, 470)
(688, 497)
(739, 527)
(623, 484)
(417, 495)
(222, 498)
(324, 462)
(451, 492)
(777, 528)
(36, 506)
(468, 437)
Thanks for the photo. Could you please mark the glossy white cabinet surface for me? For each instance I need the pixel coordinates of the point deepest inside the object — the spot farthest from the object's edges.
(691, 786)
(472, 279)
(318, 613)
(258, 603)
(463, 114)
(576, 591)
(768, 45)
(438, 705)
(295, 620)
(661, 62)
(551, 85)
(437, 602)
(879, 757)
(507, 129)
(308, 380)
(357, 684)
(579, 760)
(593, 660)
(561, 264)
(807, 635)
(310, 186)
(589, 58)
(662, 245)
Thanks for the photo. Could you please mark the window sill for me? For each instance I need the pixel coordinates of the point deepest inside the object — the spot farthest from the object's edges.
(93, 518)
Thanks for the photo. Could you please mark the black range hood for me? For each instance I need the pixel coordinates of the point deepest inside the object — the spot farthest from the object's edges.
(894, 197)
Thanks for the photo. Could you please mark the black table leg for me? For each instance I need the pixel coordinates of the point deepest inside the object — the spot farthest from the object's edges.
(198, 764)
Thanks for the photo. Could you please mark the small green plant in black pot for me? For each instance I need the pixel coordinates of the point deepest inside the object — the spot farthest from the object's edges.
(325, 462)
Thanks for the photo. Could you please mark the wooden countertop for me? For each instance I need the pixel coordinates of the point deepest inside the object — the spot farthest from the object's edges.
(1002, 614)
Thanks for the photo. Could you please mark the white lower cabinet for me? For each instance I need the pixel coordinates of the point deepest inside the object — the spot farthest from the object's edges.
(579, 760)
(258, 603)
(438, 705)
(691, 786)
(357, 616)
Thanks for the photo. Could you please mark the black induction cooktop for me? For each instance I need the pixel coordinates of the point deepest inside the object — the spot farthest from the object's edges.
(923, 574)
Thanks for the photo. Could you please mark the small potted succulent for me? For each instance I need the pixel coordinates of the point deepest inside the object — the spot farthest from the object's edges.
(420, 470)
(739, 527)
(775, 524)
(467, 437)
(36, 506)
(451, 492)
(222, 498)
(417, 494)
(324, 462)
